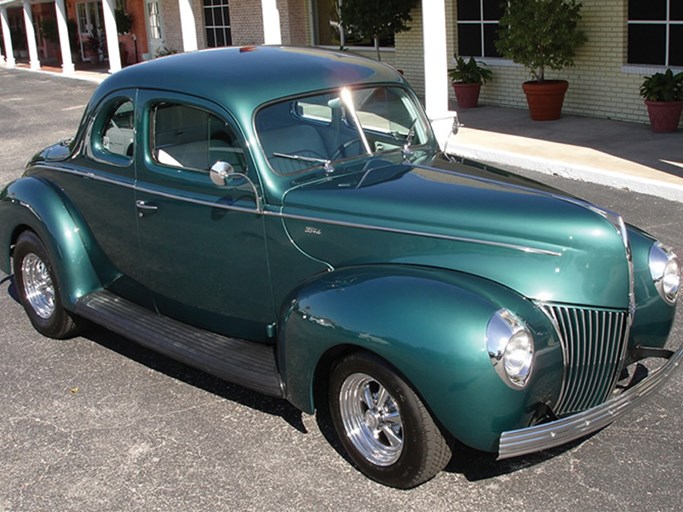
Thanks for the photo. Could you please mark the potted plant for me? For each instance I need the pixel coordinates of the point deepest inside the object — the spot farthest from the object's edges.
(541, 34)
(663, 94)
(467, 78)
(93, 45)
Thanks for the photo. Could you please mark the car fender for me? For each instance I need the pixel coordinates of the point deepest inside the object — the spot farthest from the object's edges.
(653, 318)
(430, 325)
(35, 204)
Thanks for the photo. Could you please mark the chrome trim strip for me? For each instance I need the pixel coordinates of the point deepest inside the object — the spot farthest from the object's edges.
(555, 433)
(528, 250)
(305, 218)
(88, 175)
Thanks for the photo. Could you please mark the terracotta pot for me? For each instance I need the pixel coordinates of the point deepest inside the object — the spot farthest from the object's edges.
(467, 94)
(664, 115)
(545, 98)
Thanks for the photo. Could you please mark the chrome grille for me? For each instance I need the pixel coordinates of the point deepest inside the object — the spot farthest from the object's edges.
(593, 345)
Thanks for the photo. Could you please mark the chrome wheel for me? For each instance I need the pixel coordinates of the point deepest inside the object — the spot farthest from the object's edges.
(38, 287)
(371, 419)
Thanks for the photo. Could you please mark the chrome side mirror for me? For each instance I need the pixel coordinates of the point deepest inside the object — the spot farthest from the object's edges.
(220, 173)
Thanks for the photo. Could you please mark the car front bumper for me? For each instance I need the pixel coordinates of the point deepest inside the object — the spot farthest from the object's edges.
(555, 433)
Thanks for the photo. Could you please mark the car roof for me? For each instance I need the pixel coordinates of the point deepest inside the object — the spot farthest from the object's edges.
(243, 78)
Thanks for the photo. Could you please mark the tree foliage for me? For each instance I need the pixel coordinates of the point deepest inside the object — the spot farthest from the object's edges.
(376, 18)
(540, 34)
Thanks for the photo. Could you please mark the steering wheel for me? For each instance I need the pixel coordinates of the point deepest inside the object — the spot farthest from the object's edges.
(343, 150)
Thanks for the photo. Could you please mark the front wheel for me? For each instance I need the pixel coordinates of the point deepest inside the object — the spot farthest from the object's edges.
(39, 290)
(383, 425)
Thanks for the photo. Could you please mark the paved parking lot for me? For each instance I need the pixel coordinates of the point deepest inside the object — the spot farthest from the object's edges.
(98, 423)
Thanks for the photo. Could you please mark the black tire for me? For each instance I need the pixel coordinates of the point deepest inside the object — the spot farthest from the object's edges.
(401, 456)
(38, 289)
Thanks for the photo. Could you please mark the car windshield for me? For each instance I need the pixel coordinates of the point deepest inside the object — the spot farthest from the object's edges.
(318, 130)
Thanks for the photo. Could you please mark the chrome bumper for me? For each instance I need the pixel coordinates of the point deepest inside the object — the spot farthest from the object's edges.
(556, 433)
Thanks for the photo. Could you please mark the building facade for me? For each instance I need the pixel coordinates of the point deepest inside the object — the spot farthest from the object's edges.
(627, 39)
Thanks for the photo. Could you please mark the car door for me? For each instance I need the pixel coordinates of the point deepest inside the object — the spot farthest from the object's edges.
(203, 245)
(100, 182)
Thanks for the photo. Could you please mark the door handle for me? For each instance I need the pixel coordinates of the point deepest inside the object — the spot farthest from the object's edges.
(145, 207)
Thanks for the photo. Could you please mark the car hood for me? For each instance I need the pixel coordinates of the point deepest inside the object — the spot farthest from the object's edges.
(544, 244)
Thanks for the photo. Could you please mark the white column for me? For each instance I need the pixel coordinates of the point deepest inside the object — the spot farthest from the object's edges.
(30, 36)
(112, 35)
(67, 64)
(271, 22)
(435, 57)
(7, 38)
(188, 27)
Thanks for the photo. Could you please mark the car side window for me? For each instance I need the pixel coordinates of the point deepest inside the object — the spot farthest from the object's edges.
(113, 133)
(192, 138)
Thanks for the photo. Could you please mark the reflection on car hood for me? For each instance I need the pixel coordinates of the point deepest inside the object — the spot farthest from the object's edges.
(468, 218)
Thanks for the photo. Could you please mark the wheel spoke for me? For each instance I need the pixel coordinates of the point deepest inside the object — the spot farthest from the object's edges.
(368, 399)
(394, 418)
(382, 397)
(394, 439)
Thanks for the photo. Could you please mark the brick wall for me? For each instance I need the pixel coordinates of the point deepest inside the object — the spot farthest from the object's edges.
(599, 85)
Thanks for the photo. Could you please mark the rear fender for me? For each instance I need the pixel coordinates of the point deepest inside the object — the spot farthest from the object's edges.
(35, 204)
(430, 325)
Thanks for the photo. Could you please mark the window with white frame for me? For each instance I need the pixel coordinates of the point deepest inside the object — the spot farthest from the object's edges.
(327, 29)
(655, 32)
(478, 27)
(217, 23)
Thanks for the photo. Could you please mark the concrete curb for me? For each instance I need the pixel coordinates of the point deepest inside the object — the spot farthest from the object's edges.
(561, 168)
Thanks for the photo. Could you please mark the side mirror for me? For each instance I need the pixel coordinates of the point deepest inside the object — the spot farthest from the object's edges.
(220, 173)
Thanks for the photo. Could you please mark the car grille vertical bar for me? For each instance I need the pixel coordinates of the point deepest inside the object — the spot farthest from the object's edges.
(593, 345)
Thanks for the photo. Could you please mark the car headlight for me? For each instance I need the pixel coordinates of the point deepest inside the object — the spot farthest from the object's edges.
(511, 348)
(665, 272)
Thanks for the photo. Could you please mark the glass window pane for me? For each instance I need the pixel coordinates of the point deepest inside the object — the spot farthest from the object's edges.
(226, 16)
(676, 10)
(647, 9)
(210, 38)
(469, 40)
(208, 17)
(490, 36)
(676, 46)
(469, 10)
(646, 44)
(493, 9)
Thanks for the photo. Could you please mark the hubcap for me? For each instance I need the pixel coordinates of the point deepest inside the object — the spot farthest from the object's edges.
(38, 286)
(371, 419)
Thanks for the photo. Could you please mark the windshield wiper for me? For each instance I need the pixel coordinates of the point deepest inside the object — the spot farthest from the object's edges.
(405, 150)
(327, 164)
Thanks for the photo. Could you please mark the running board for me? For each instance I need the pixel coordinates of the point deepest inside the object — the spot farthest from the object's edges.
(249, 364)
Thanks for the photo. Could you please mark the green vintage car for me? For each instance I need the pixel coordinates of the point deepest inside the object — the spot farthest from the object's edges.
(283, 218)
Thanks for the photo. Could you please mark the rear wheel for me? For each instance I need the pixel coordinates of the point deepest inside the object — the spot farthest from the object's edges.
(383, 425)
(39, 290)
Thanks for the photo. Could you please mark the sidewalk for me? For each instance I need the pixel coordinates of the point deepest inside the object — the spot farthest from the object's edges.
(613, 153)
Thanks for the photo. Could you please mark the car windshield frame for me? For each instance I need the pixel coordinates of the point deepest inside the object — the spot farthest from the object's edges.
(319, 130)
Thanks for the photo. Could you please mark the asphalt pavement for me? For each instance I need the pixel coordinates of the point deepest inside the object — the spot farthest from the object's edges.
(97, 423)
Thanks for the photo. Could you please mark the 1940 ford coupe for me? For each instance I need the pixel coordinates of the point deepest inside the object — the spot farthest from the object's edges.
(283, 218)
